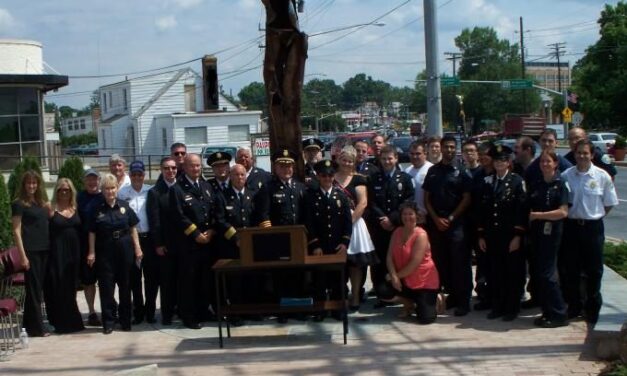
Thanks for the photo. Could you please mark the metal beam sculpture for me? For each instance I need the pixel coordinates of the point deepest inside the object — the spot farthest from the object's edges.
(283, 72)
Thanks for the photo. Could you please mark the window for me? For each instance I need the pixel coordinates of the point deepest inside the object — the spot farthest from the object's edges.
(8, 101)
(9, 154)
(82, 123)
(8, 129)
(28, 101)
(239, 133)
(190, 97)
(69, 126)
(125, 100)
(196, 135)
(29, 128)
(164, 139)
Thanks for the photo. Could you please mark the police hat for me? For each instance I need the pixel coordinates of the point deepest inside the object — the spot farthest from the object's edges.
(218, 157)
(313, 143)
(284, 156)
(500, 152)
(325, 167)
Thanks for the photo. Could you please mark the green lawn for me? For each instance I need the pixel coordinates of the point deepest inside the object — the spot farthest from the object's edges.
(616, 257)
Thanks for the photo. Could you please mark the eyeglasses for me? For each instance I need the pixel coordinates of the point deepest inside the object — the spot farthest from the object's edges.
(169, 168)
(179, 153)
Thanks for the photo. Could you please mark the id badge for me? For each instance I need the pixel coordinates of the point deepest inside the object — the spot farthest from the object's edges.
(548, 228)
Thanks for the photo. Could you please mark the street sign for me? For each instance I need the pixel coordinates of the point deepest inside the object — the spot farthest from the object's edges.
(449, 81)
(577, 118)
(567, 113)
(516, 84)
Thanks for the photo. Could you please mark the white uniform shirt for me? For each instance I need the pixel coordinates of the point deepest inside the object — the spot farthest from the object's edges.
(137, 202)
(417, 178)
(125, 182)
(589, 192)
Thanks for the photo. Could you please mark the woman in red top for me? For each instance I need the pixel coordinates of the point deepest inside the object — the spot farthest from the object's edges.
(412, 279)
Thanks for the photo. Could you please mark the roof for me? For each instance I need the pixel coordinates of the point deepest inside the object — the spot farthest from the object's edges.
(48, 81)
(113, 119)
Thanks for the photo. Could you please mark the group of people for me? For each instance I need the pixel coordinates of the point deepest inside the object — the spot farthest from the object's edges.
(416, 229)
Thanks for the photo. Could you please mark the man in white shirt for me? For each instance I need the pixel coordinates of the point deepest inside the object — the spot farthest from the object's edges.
(117, 167)
(418, 171)
(136, 194)
(591, 197)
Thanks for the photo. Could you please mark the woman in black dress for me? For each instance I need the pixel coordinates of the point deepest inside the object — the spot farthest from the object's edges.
(29, 219)
(63, 261)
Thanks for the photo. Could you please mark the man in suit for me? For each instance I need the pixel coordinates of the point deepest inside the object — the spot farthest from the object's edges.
(255, 177)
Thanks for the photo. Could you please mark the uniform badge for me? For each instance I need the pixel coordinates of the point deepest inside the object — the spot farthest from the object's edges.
(488, 179)
(122, 210)
(456, 173)
(260, 184)
(188, 198)
(100, 215)
(400, 186)
(229, 208)
(524, 187)
(593, 184)
(339, 203)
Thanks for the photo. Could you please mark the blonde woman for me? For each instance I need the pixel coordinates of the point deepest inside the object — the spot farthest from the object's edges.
(63, 261)
(29, 219)
(361, 249)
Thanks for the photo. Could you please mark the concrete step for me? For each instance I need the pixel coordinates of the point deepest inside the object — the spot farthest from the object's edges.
(612, 317)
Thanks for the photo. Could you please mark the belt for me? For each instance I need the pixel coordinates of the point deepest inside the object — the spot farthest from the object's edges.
(118, 234)
(143, 234)
(583, 222)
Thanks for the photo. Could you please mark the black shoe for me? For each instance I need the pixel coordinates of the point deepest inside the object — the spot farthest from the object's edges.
(544, 322)
(353, 308)
(235, 321)
(529, 303)
(381, 304)
(191, 325)
(371, 293)
(93, 320)
(126, 328)
(338, 315)
(281, 319)
(461, 311)
(482, 306)
(510, 317)
(319, 317)
(450, 303)
(166, 322)
(151, 319)
(108, 330)
(573, 314)
(138, 320)
(494, 315)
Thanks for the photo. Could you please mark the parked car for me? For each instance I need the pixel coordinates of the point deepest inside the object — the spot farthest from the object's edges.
(602, 140)
(510, 142)
(91, 149)
(401, 144)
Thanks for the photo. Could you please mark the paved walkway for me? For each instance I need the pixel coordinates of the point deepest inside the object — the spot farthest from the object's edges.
(378, 344)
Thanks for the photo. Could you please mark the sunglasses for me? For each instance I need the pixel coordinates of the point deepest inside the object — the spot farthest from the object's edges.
(179, 153)
(169, 168)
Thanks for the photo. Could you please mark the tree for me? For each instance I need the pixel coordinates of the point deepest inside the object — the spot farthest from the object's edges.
(362, 88)
(28, 163)
(334, 123)
(320, 96)
(253, 96)
(73, 169)
(6, 236)
(600, 78)
(488, 58)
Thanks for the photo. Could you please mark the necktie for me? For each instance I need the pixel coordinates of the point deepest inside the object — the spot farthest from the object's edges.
(240, 196)
(224, 186)
(497, 185)
(196, 185)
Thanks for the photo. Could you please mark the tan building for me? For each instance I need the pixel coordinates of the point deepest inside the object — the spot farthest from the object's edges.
(545, 74)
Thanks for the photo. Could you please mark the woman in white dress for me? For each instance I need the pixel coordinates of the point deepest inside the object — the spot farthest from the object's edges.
(361, 249)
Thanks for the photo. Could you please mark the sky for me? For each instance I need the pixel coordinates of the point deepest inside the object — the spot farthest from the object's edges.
(101, 42)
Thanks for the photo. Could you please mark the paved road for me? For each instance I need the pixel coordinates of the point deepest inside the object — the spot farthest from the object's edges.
(615, 221)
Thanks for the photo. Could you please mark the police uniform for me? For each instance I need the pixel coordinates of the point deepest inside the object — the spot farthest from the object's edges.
(448, 185)
(194, 212)
(590, 192)
(163, 235)
(503, 216)
(115, 256)
(386, 192)
(239, 212)
(546, 237)
(472, 222)
(256, 178)
(216, 158)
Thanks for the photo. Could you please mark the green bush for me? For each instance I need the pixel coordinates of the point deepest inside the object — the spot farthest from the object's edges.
(28, 163)
(6, 236)
(73, 169)
(81, 139)
(616, 257)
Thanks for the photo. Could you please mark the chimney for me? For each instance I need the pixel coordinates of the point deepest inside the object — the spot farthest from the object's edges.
(210, 83)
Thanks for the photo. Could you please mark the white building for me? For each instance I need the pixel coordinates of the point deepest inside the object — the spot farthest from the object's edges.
(145, 115)
(78, 125)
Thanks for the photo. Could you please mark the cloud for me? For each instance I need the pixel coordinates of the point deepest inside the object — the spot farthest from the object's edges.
(165, 23)
(186, 4)
(6, 21)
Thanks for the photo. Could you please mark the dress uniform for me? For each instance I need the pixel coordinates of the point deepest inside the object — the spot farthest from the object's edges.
(194, 212)
(386, 192)
(503, 217)
(239, 212)
(311, 146)
(546, 237)
(256, 178)
(219, 186)
(114, 258)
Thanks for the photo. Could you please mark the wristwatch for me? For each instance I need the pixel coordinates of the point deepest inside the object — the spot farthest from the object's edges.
(451, 218)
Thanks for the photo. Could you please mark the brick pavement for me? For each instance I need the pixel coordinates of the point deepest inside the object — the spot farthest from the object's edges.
(378, 344)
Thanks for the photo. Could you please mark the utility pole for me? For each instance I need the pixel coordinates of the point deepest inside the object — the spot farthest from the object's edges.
(558, 50)
(453, 57)
(434, 99)
(522, 63)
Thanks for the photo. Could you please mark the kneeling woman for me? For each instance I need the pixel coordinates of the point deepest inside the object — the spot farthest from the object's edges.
(412, 278)
(113, 247)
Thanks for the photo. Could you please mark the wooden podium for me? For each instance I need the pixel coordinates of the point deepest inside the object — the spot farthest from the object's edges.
(276, 248)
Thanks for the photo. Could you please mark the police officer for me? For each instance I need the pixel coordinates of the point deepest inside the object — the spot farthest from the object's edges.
(501, 225)
(311, 151)
(447, 196)
(113, 249)
(255, 177)
(591, 197)
(329, 225)
(163, 236)
(219, 162)
(548, 205)
(389, 188)
(281, 203)
(192, 201)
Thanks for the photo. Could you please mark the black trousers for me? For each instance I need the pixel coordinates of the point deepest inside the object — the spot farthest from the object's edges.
(506, 276)
(34, 282)
(381, 240)
(582, 254)
(545, 248)
(114, 260)
(196, 283)
(152, 276)
(168, 277)
(137, 289)
(453, 260)
(424, 299)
